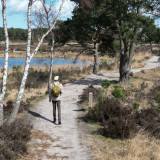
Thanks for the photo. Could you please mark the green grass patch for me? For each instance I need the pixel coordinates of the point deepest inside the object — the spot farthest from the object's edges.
(93, 123)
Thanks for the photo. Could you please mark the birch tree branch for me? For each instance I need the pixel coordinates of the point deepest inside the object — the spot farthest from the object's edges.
(29, 28)
(45, 34)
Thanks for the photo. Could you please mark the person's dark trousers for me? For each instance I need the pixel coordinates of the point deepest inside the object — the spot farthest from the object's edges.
(57, 104)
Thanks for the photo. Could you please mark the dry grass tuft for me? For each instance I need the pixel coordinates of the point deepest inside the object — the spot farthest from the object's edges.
(141, 147)
(139, 59)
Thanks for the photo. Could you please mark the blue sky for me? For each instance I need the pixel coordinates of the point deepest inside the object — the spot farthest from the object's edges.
(17, 16)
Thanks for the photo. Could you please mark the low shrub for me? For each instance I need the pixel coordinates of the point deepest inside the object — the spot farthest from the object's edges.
(13, 139)
(94, 114)
(85, 94)
(9, 107)
(154, 94)
(158, 97)
(149, 119)
(117, 120)
(102, 96)
(136, 105)
(117, 92)
(120, 121)
(16, 68)
(106, 84)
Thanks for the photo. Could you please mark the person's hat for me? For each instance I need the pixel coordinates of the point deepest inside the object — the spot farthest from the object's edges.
(56, 78)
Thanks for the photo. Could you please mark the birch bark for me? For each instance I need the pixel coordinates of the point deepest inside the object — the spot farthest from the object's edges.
(29, 56)
(51, 63)
(5, 67)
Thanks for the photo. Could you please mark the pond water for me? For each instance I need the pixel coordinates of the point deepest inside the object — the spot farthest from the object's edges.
(40, 62)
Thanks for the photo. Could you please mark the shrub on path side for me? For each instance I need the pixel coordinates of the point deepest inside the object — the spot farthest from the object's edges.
(120, 121)
(13, 139)
(85, 95)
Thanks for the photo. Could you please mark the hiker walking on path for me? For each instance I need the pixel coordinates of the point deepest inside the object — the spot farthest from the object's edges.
(55, 97)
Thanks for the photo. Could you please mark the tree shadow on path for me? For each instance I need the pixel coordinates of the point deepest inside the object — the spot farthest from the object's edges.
(93, 81)
(39, 116)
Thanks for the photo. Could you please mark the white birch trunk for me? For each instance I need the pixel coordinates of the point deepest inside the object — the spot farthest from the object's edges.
(13, 115)
(51, 63)
(29, 56)
(5, 68)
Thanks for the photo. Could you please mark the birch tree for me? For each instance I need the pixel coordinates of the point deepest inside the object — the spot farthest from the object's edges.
(5, 67)
(29, 56)
(47, 15)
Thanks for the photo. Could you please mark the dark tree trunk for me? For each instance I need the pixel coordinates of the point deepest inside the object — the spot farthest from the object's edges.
(125, 68)
(125, 63)
(96, 59)
(151, 46)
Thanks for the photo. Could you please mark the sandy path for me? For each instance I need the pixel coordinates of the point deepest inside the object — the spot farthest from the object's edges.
(52, 141)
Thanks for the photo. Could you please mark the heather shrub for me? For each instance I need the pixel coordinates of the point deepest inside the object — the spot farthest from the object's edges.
(121, 121)
(154, 94)
(117, 92)
(106, 84)
(85, 94)
(149, 120)
(13, 139)
(9, 107)
(94, 114)
(118, 121)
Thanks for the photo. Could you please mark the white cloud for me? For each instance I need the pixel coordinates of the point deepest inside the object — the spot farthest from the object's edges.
(20, 6)
(67, 9)
(17, 6)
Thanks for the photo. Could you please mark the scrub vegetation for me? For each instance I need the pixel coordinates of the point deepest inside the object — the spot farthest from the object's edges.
(126, 127)
(116, 36)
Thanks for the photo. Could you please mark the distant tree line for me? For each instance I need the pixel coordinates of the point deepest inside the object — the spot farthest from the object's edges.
(64, 33)
(14, 34)
(18, 34)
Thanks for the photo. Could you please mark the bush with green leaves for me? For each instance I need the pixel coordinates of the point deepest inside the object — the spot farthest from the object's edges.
(117, 92)
(106, 84)
(136, 105)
